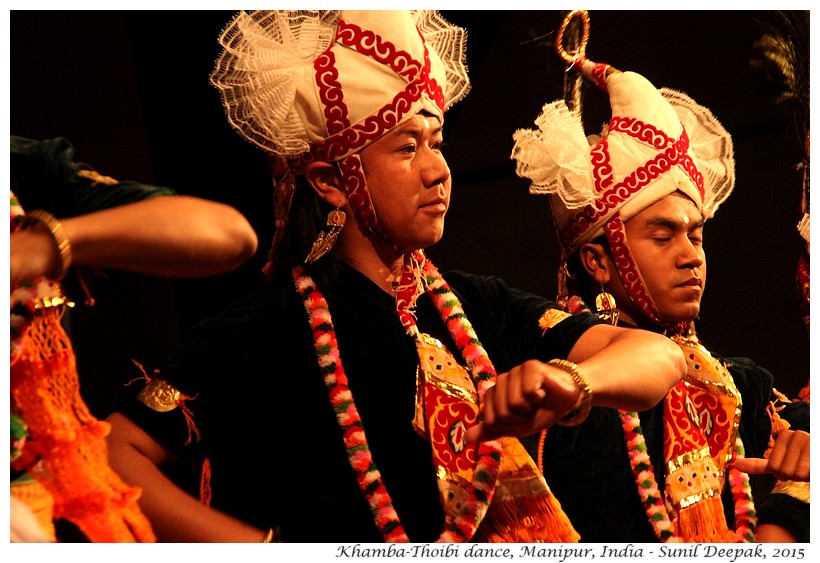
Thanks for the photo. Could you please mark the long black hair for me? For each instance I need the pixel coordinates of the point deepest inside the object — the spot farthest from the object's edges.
(307, 217)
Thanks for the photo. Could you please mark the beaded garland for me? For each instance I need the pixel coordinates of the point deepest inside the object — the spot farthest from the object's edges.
(645, 478)
(745, 519)
(361, 461)
(651, 497)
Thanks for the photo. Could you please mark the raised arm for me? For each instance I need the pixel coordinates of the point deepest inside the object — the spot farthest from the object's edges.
(171, 236)
(628, 368)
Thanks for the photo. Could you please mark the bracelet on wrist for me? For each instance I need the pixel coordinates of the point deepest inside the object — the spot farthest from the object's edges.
(55, 228)
(579, 414)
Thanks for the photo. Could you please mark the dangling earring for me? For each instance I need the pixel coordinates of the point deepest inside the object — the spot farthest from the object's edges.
(327, 238)
(605, 307)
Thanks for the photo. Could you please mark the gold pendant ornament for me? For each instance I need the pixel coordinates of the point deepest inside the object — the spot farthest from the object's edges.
(327, 238)
(605, 307)
(159, 395)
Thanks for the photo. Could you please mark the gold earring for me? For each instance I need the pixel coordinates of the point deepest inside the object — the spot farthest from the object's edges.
(605, 307)
(327, 238)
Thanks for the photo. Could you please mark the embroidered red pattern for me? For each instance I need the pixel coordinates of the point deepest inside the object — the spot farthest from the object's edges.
(344, 137)
(358, 197)
(599, 73)
(628, 269)
(674, 153)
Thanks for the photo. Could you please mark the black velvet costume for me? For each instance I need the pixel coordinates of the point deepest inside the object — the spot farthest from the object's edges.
(266, 423)
(587, 467)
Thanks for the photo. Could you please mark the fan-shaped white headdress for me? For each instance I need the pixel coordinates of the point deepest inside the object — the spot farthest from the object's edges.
(323, 84)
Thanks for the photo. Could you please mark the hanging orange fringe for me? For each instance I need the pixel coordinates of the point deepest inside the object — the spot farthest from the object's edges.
(67, 442)
(523, 509)
(704, 522)
(526, 520)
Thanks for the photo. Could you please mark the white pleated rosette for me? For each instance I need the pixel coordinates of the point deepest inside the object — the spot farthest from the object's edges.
(555, 156)
(266, 54)
(711, 147)
(267, 77)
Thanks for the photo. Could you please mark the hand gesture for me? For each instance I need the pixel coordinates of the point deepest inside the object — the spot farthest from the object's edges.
(525, 400)
(789, 459)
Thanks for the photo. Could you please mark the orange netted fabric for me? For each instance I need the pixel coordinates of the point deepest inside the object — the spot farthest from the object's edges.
(66, 450)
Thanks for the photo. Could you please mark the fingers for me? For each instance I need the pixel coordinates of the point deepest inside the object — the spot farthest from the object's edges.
(32, 254)
(477, 433)
(508, 406)
(790, 457)
(515, 394)
(527, 399)
(752, 465)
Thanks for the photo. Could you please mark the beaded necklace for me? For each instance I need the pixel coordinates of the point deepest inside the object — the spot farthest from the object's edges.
(361, 460)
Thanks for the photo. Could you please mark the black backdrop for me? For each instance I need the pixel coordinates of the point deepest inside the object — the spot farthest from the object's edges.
(130, 90)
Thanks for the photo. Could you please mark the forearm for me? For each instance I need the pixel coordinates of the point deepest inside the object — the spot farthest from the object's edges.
(178, 517)
(628, 369)
(171, 236)
(175, 515)
(168, 236)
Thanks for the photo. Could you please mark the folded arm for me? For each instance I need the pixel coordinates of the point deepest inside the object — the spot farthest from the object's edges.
(628, 369)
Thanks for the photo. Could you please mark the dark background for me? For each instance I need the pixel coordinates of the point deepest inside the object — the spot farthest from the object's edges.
(131, 91)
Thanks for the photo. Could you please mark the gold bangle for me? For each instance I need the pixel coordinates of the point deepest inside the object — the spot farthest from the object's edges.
(55, 228)
(578, 415)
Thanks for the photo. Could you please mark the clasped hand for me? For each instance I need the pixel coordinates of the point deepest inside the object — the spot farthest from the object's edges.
(525, 400)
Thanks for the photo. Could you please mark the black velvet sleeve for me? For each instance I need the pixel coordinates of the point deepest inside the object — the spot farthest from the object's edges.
(787, 512)
(495, 308)
(190, 370)
(217, 361)
(45, 176)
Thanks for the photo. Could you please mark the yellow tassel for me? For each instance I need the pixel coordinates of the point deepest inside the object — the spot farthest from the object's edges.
(704, 521)
(778, 425)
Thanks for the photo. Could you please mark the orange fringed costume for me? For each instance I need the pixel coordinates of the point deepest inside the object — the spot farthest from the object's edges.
(66, 444)
(65, 451)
